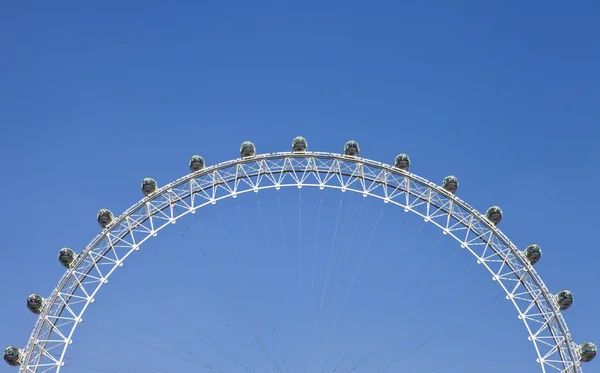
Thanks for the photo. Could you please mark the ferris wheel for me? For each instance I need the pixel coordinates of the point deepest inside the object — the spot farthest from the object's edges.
(538, 308)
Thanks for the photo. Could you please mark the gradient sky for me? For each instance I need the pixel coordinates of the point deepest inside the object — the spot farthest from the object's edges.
(97, 96)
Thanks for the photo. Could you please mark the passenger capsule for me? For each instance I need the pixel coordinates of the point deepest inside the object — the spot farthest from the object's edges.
(564, 299)
(402, 161)
(13, 356)
(149, 186)
(247, 149)
(196, 163)
(450, 183)
(351, 148)
(299, 144)
(533, 253)
(587, 351)
(494, 214)
(35, 303)
(105, 217)
(66, 257)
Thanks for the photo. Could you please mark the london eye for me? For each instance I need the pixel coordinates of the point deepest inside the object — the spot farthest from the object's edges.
(512, 268)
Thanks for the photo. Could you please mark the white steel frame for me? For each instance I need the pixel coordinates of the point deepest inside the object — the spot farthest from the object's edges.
(75, 291)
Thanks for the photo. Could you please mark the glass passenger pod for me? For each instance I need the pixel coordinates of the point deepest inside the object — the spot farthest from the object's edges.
(564, 299)
(66, 257)
(587, 351)
(13, 356)
(247, 149)
(402, 161)
(494, 214)
(299, 144)
(351, 148)
(149, 186)
(450, 183)
(35, 303)
(105, 217)
(533, 253)
(196, 163)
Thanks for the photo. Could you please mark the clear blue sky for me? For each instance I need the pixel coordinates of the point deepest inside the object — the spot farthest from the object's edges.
(95, 97)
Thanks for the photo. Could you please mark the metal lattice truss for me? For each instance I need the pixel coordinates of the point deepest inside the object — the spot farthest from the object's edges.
(536, 305)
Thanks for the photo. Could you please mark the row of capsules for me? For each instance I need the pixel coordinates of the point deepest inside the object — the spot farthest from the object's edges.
(533, 253)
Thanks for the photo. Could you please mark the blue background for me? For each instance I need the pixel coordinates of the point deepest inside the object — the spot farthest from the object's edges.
(96, 96)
